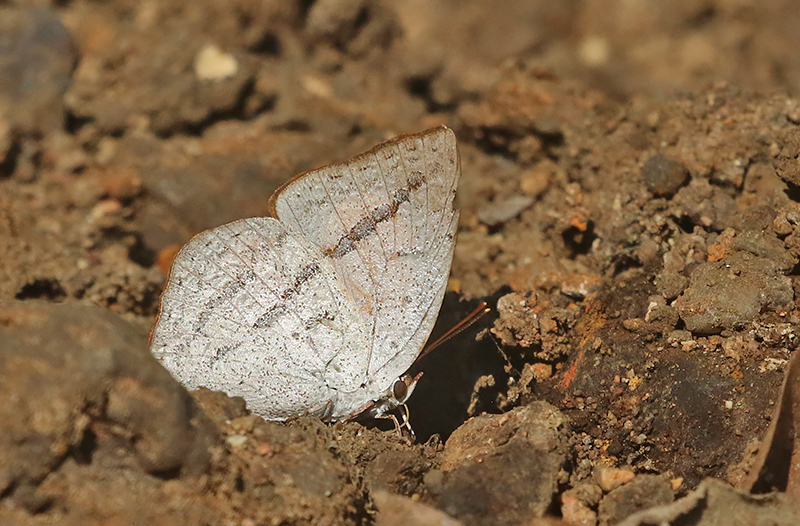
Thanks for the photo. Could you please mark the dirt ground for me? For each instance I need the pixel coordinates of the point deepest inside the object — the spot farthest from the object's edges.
(630, 210)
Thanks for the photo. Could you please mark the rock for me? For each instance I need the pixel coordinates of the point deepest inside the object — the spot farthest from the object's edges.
(786, 165)
(37, 59)
(641, 493)
(671, 284)
(396, 510)
(663, 176)
(518, 320)
(705, 205)
(633, 324)
(714, 503)
(577, 513)
(679, 337)
(335, 20)
(213, 64)
(168, 94)
(729, 293)
(578, 285)
(610, 479)
(534, 181)
(511, 474)
(577, 504)
(77, 381)
(764, 245)
(660, 316)
(498, 212)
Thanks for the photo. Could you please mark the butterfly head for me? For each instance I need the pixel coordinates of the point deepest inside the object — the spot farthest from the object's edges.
(392, 403)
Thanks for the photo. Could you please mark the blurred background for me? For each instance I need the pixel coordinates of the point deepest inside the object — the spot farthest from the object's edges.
(185, 115)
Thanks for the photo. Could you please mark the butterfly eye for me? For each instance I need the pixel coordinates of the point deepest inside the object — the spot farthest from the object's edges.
(399, 389)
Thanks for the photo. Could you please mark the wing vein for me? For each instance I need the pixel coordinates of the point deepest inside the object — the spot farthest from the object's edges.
(309, 342)
(366, 267)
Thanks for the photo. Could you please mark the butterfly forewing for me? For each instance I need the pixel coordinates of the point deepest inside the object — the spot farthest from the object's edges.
(385, 220)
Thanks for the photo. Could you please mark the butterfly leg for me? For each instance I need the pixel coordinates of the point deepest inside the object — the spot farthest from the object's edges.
(323, 411)
(402, 423)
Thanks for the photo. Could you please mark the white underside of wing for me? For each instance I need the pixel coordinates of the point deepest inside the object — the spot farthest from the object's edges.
(251, 309)
(322, 309)
(386, 221)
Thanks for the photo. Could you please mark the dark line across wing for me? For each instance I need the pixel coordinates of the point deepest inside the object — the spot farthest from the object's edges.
(367, 225)
(308, 272)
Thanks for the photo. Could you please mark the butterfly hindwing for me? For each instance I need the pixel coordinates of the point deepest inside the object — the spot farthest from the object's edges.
(251, 309)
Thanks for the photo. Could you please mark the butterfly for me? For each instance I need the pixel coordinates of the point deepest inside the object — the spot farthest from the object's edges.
(323, 306)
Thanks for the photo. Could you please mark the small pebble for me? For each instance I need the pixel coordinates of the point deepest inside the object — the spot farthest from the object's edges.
(633, 324)
(498, 212)
(663, 176)
(236, 440)
(612, 478)
(213, 64)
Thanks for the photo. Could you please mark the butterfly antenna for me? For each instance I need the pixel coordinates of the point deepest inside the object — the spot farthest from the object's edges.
(464, 324)
(509, 366)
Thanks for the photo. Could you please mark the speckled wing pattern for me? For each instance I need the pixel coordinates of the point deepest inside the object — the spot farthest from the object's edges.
(319, 308)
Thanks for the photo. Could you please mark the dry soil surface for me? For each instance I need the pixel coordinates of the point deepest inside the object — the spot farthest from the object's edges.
(630, 210)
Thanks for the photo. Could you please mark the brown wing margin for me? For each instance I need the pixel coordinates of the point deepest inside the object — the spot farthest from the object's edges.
(272, 204)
